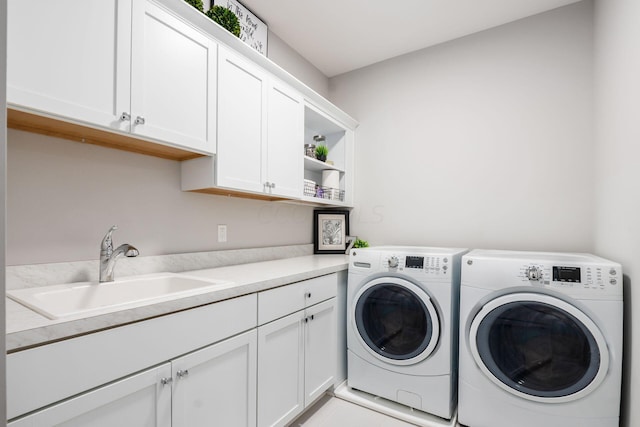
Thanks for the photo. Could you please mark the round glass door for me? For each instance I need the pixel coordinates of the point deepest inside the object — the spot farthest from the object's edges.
(396, 321)
(539, 347)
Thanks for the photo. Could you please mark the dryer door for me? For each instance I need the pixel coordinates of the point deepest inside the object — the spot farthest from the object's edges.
(539, 347)
(395, 320)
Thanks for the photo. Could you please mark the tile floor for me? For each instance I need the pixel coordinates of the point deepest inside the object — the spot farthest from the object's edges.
(333, 412)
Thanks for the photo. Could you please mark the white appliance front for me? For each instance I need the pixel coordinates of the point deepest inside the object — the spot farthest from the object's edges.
(402, 325)
(540, 340)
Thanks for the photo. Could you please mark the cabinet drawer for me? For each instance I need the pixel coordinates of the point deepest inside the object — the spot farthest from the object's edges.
(279, 302)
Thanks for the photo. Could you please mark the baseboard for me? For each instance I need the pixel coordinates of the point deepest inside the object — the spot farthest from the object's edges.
(392, 409)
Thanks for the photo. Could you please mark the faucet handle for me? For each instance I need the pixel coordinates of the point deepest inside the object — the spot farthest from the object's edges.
(107, 242)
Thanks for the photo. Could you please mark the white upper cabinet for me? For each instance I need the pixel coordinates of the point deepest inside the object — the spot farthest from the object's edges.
(260, 129)
(242, 93)
(160, 78)
(116, 65)
(285, 130)
(173, 79)
(70, 58)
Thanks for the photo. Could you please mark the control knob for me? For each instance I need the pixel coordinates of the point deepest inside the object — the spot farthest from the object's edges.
(533, 273)
(393, 262)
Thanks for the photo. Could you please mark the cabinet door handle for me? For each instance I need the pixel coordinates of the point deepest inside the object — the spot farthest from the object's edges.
(308, 294)
(306, 320)
(166, 381)
(140, 120)
(312, 317)
(273, 185)
(125, 117)
(182, 373)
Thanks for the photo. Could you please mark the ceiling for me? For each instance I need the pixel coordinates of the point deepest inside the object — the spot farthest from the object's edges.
(338, 36)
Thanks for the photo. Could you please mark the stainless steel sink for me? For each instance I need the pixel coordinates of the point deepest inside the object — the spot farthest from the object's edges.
(92, 298)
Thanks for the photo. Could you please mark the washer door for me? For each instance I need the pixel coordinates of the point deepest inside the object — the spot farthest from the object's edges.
(395, 320)
(539, 347)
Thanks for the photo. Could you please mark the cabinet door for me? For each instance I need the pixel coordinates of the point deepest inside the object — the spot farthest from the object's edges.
(320, 349)
(173, 80)
(216, 386)
(140, 400)
(70, 59)
(285, 133)
(281, 370)
(241, 126)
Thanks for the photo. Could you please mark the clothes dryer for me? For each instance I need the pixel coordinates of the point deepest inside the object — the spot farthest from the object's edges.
(402, 322)
(540, 340)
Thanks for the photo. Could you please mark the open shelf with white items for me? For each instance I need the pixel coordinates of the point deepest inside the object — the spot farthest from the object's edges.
(329, 182)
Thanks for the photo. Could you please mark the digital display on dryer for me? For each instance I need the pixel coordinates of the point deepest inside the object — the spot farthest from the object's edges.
(566, 274)
(414, 262)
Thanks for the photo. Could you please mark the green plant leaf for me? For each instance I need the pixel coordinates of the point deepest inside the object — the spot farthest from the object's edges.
(225, 18)
(197, 4)
(322, 150)
(360, 244)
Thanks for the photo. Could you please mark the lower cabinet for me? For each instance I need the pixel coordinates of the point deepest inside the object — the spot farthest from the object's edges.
(216, 386)
(213, 386)
(251, 376)
(320, 350)
(281, 370)
(139, 400)
(296, 362)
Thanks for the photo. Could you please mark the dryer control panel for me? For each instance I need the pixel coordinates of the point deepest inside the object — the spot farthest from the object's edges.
(577, 274)
(586, 277)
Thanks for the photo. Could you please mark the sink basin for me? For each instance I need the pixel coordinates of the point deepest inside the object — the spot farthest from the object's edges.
(91, 298)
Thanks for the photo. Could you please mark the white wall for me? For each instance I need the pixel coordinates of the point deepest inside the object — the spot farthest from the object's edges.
(484, 141)
(63, 197)
(287, 58)
(617, 140)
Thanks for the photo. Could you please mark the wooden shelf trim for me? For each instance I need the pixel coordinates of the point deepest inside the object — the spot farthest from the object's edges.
(21, 120)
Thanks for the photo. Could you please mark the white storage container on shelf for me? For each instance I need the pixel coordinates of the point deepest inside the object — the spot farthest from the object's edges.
(328, 182)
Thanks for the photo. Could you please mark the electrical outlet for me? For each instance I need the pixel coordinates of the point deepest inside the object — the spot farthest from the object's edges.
(222, 233)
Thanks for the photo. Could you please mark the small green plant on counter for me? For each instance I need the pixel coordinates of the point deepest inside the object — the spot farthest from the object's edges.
(361, 244)
(226, 18)
(197, 4)
(321, 152)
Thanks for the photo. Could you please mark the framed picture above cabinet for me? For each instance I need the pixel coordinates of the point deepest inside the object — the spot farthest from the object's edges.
(330, 231)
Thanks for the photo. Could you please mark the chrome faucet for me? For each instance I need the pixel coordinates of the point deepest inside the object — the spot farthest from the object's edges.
(109, 256)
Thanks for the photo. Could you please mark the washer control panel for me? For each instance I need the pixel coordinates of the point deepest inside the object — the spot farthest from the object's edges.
(430, 265)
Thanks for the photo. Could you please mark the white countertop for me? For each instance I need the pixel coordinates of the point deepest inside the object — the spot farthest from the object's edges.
(26, 328)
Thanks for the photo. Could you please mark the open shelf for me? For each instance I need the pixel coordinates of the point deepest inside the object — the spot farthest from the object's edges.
(316, 165)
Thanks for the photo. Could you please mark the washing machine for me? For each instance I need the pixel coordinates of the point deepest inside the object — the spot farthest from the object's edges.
(402, 322)
(540, 340)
